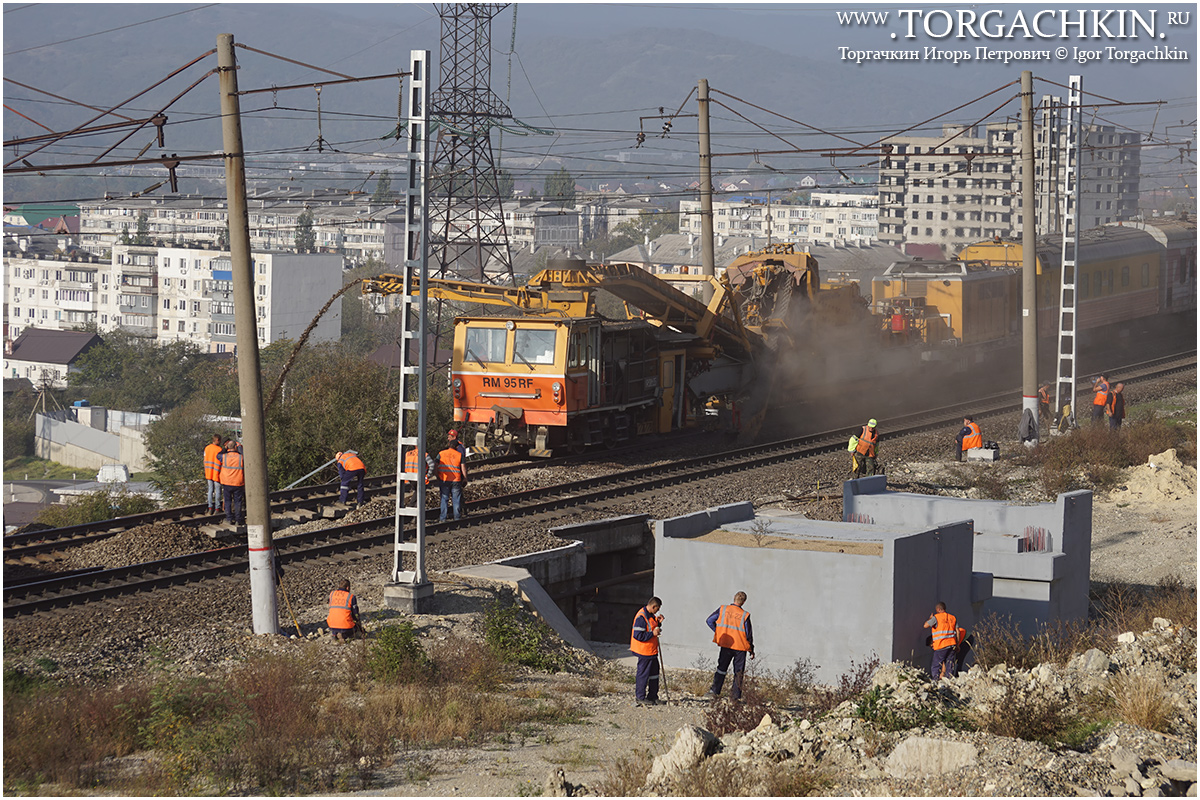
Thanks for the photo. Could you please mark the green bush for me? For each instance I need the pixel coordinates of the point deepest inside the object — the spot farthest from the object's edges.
(95, 507)
(396, 655)
(875, 706)
(518, 637)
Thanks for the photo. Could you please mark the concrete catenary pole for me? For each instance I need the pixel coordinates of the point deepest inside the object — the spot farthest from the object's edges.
(264, 604)
(708, 259)
(1029, 384)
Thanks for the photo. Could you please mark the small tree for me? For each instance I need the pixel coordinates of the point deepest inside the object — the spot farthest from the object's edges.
(125, 237)
(143, 230)
(383, 189)
(560, 187)
(306, 237)
(505, 185)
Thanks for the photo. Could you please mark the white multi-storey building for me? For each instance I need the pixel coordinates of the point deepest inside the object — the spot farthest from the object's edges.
(960, 187)
(345, 226)
(831, 217)
(171, 294)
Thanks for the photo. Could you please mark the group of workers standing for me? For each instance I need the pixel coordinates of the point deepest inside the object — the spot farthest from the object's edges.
(450, 470)
(733, 634)
(1108, 401)
(225, 480)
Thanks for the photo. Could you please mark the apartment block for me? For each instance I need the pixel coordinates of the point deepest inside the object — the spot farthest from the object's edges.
(171, 294)
(842, 218)
(343, 225)
(963, 187)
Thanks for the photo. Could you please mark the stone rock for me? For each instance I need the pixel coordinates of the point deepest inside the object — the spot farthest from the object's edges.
(1179, 770)
(1116, 790)
(1161, 624)
(1191, 792)
(918, 756)
(556, 784)
(1129, 637)
(1132, 787)
(1124, 761)
(692, 745)
(1094, 661)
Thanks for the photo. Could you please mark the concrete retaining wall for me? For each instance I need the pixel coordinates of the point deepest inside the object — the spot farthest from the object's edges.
(1032, 587)
(834, 593)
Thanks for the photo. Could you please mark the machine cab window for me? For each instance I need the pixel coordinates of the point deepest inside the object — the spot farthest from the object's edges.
(486, 345)
(533, 346)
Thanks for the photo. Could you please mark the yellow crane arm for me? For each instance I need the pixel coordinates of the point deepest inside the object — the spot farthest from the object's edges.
(529, 299)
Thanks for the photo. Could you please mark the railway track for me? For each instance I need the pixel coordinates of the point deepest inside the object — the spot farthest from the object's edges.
(38, 544)
(376, 536)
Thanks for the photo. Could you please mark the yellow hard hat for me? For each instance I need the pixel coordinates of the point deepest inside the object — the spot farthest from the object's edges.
(872, 423)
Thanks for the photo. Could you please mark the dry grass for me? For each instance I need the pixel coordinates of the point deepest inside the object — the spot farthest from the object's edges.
(1121, 607)
(1026, 712)
(1092, 456)
(624, 777)
(1141, 699)
(273, 725)
(999, 641)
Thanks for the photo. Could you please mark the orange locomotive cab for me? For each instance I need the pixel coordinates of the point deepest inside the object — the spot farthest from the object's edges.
(541, 384)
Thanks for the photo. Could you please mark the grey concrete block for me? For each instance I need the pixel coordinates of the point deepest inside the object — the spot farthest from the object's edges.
(918, 756)
(980, 454)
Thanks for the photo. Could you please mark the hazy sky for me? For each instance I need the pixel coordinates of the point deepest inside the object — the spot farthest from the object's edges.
(592, 71)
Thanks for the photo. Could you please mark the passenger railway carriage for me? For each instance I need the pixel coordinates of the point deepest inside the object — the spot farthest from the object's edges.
(1125, 272)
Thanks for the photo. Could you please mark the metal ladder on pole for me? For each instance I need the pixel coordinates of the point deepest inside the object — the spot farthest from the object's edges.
(1048, 157)
(1065, 373)
(413, 318)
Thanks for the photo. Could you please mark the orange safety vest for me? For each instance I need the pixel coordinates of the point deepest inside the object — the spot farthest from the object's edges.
(1101, 394)
(212, 467)
(866, 442)
(449, 468)
(231, 469)
(1044, 395)
(974, 440)
(731, 628)
(897, 323)
(351, 462)
(340, 602)
(945, 631)
(410, 464)
(648, 622)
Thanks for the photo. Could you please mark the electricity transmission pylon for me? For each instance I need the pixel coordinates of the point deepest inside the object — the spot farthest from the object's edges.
(467, 235)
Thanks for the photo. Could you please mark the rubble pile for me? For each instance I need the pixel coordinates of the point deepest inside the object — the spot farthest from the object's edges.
(857, 751)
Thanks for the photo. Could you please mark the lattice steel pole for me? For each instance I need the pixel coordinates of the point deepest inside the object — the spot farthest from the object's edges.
(410, 590)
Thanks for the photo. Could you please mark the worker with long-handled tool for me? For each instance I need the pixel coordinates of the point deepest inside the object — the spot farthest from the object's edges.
(647, 625)
(731, 630)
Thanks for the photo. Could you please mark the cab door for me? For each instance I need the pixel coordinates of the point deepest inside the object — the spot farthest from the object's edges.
(670, 389)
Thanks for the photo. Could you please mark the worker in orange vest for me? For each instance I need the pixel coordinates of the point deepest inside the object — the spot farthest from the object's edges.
(233, 483)
(410, 465)
(212, 476)
(351, 472)
(343, 612)
(731, 629)
(968, 438)
(1044, 401)
(452, 475)
(863, 462)
(1100, 401)
(1116, 406)
(945, 638)
(647, 627)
